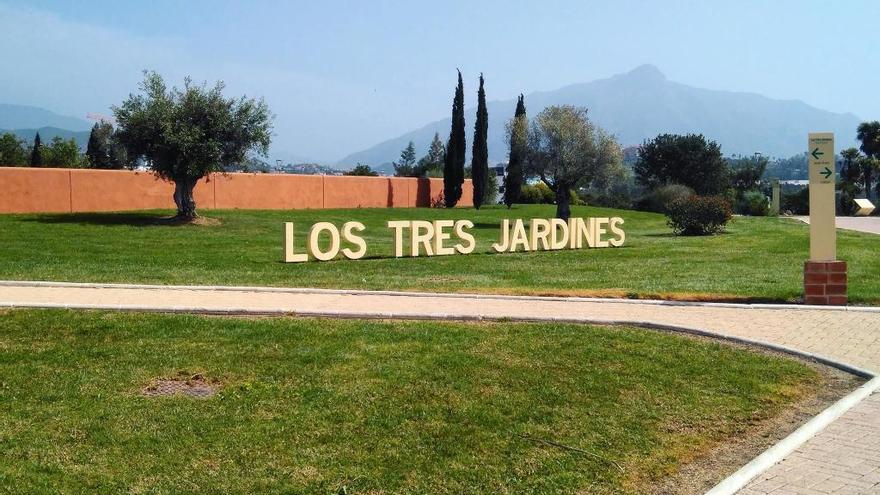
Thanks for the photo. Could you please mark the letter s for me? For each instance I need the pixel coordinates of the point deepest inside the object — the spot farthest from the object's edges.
(357, 240)
(621, 235)
(462, 234)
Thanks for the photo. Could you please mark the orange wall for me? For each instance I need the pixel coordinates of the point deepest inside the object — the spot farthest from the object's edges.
(24, 190)
(268, 191)
(34, 190)
(115, 190)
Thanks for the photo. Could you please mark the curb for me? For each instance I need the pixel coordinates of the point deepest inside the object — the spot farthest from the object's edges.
(789, 444)
(232, 311)
(450, 295)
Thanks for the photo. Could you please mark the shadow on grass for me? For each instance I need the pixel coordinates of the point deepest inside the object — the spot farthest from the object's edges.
(111, 219)
(686, 236)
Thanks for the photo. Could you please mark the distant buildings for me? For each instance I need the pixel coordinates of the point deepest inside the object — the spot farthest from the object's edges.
(307, 169)
(499, 170)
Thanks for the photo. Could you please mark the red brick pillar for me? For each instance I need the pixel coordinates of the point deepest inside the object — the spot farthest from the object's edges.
(825, 282)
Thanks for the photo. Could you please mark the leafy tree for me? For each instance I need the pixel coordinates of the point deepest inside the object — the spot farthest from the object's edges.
(431, 165)
(363, 170)
(13, 151)
(184, 134)
(517, 139)
(118, 153)
(689, 160)
(37, 152)
(63, 153)
(406, 165)
(746, 172)
(566, 150)
(101, 150)
(850, 170)
(849, 179)
(869, 135)
(480, 149)
(453, 165)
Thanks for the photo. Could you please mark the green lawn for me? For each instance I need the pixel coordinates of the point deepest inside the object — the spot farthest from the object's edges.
(758, 259)
(309, 406)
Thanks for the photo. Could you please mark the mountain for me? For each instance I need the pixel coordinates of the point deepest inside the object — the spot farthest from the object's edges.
(642, 103)
(47, 133)
(26, 117)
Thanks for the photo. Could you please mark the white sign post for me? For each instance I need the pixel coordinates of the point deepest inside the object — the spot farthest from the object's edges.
(824, 276)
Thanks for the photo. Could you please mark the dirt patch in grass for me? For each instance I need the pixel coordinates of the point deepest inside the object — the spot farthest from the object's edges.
(183, 383)
(751, 438)
(202, 221)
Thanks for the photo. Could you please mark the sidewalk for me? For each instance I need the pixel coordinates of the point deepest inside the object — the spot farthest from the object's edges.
(844, 458)
(870, 225)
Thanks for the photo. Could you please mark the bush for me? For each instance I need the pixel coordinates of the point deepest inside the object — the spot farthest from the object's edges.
(659, 199)
(540, 194)
(798, 203)
(698, 215)
(753, 203)
(537, 194)
(620, 195)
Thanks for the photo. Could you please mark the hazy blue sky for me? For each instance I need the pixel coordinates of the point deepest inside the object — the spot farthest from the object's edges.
(342, 76)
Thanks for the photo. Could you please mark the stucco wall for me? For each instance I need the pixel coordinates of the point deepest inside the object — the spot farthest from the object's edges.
(35, 190)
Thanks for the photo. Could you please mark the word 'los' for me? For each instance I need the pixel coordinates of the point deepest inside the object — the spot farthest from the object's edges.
(447, 237)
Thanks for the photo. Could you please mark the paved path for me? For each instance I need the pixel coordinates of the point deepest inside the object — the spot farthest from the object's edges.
(870, 225)
(844, 458)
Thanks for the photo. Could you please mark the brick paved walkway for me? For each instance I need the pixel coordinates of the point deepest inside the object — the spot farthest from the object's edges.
(844, 458)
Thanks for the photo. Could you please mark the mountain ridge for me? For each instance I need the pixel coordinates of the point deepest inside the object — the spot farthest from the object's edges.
(48, 133)
(642, 103)
(31, 117)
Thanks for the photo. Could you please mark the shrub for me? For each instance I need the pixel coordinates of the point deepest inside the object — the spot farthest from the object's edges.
(540, 194)
(698, 215)
(537, 194)
(659, 199)
(754, 203)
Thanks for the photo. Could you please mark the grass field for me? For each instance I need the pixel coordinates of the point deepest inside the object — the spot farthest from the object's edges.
(309, 406)
(758, 259)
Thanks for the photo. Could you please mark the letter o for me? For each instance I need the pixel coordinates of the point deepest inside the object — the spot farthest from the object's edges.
(315, 248)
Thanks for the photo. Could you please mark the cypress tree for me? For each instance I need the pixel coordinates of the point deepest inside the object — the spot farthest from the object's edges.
(513, 181)
(453, 165)
(37, 152)
(480, 158)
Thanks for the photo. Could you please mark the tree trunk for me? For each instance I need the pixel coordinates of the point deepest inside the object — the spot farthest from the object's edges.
(183, 198)
(563, 200)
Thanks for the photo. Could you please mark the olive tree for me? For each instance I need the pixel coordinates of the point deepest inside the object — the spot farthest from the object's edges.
(565, 150)
(184, 134)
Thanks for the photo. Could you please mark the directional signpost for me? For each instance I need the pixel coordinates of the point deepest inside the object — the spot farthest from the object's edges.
(823, 238)
(824, 276)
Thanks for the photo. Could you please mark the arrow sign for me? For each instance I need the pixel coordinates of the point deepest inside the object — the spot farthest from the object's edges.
(827, 172)
(816, 154)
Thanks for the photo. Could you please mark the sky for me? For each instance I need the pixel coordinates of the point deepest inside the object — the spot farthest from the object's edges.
(341, 76)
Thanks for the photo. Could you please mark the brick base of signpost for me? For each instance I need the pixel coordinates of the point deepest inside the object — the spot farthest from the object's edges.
(825, 282)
